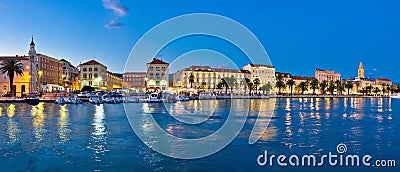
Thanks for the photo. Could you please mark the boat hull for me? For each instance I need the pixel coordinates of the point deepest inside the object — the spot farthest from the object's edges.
(32, 101)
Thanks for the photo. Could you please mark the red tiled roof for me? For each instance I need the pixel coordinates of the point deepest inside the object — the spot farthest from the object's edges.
(302, 77)
(227, 70)
(384, 79)
(14, 57)
(92, 62)
(261, 65)
(245, 71)
(286, 75)
(209, 69)
(157, 61)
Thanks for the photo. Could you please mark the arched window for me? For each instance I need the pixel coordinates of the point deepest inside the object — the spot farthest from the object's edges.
(84, 69)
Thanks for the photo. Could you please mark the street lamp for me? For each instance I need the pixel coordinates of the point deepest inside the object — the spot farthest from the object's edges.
(145, 84)
(40, 73)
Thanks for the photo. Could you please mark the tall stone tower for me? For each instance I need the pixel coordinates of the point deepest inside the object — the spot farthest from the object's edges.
(33, 67)
(361, 71)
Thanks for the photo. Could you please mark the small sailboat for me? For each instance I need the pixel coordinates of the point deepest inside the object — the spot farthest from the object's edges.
(32, 99)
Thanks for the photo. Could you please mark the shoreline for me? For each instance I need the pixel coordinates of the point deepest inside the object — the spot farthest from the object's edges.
(21, 100)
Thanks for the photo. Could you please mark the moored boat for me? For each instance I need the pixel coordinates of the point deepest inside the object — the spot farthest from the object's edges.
(32, 99)
(395, 96)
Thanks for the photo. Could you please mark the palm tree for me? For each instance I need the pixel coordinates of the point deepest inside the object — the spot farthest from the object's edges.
(392, 89)
(377, 90)
(266, 88)
(224, 84)
(251, 86)
(290, 83)
(12, 66)
(339, 87)
(245, 84)
(303, 86)
(331, 88)
(314, 85)
(383, 89)
(279, 83)
(231, 82)
(388, 88)
(220, 85)
(191, 80)
(357, 86)
(256, 83)
(349, 85)
(323, 85)
(398, 89)
(369, 89)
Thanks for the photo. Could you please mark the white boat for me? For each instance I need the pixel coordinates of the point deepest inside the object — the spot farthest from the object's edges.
(152, 98)
(395, 96)
(60, 100)
(95, 100)
(181, 98)
(73, 100)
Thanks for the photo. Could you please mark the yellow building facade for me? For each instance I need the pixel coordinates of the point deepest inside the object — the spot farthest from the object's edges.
(265, 73)
(210, 76)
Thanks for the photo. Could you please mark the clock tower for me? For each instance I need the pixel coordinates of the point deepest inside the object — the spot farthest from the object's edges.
(33, 67)
(361, 71)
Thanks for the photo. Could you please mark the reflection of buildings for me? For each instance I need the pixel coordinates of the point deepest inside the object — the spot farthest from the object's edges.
(326, 75)
(98, 139)
(157, 75)
(211, 76)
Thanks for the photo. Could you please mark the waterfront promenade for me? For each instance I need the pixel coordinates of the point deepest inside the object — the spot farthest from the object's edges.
(52, 98)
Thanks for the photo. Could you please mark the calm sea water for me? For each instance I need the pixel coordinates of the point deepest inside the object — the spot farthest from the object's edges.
(86, 137)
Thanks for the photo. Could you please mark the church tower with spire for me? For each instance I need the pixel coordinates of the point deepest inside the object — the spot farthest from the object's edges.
(361, 71)
(33, 67)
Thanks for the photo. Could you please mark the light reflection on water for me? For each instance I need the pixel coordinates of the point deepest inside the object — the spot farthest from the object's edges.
(98, 139)
(85, 137)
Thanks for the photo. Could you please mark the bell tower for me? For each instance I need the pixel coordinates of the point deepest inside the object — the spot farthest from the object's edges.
(361, 71)
(33, 67)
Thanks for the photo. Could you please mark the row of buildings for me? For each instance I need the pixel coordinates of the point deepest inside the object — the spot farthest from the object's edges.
(43, 73)
(48, 74)
(157, 78)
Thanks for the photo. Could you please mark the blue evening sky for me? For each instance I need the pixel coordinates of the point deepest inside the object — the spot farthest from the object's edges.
(299, 36)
